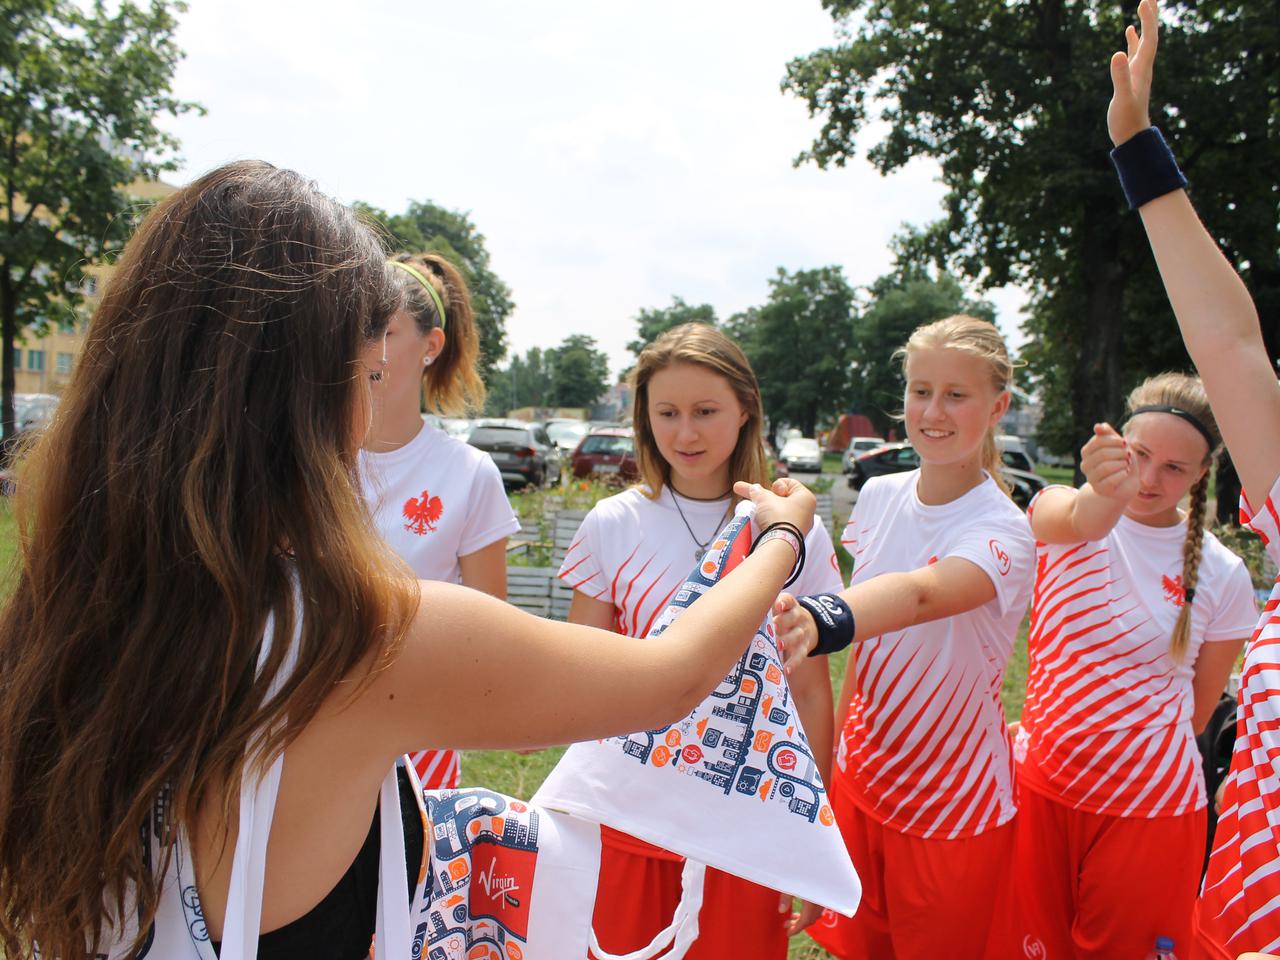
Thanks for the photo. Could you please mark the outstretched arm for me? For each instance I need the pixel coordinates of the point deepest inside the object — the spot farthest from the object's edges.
(1215, 313)
(477, 673)
(1063, 515)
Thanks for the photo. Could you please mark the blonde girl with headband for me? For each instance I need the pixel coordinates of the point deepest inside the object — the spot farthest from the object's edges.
(201, 612)
(698, 420)
(437, 501)
(1239, 905)
(1138, 616)
(923, 789)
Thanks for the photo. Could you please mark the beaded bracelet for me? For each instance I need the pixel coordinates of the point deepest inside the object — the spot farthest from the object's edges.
(782, 530)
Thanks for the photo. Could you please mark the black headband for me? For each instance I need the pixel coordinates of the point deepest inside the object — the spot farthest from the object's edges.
(1179, 412)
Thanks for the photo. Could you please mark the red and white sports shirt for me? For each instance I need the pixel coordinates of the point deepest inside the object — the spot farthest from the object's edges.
(1107, 723)
(925, 749)
(1240, 899)
(635, 553)
(434, 500)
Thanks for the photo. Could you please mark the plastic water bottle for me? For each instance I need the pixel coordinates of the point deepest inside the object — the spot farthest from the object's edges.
(1163, 950)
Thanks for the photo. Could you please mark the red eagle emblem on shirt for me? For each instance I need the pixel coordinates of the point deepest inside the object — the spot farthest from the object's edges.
(422, 513)
(1174, 592)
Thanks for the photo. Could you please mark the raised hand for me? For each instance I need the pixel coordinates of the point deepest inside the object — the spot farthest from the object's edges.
(796, 631)
(1131, 71)
(787, 501)
(1108, 464)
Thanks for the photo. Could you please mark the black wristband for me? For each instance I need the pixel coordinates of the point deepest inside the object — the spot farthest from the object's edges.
(1147, 168)
(834, 620)
(800, 554)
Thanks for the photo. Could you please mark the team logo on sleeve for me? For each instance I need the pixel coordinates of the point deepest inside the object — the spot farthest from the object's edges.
(1002, 556)
(422, 513)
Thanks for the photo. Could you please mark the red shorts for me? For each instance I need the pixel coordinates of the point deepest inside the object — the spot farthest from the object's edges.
(921, 899)
(638, 894)
(1097, 887)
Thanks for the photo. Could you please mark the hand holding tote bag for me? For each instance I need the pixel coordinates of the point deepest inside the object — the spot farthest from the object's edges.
(734, 784)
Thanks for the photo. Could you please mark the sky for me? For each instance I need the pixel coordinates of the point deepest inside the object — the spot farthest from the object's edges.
(613, 155)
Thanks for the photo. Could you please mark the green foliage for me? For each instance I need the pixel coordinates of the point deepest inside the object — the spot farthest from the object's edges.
(427, 227)
(1248, 547)
(524, 382)
(800, 343)
(81, 90)
(1010, 99)
(579, 372)
(901, 301)
(652, 322)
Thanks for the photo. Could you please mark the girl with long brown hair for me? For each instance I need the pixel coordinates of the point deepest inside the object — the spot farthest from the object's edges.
(697, 417)
(1138, 616)
(437, 501)
(199, 583)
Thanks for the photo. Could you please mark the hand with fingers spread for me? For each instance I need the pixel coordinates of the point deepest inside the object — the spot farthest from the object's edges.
(797, 922)
(1131, 72)
(796, 631)
(1108, 464)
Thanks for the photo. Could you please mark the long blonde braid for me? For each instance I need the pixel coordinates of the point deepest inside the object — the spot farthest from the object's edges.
(1186, 393)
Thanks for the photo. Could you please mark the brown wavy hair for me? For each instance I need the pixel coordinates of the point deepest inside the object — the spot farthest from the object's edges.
(706, 346)
(1186, 393)
(199, 470)
(980, 339)
(452, 384)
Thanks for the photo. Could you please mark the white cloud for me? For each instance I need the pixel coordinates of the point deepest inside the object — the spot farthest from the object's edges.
(613, 155)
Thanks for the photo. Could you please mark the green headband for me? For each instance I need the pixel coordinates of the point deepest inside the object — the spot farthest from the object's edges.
(427, 284)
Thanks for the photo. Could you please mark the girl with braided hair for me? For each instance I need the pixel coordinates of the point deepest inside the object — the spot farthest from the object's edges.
(1138, 615)
(438, 502)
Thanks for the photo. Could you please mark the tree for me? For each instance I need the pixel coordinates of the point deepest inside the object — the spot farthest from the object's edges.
(900, 302)
(429, 228)
(652, 322)
(799, 344)
(1010, 99)
(524, 382)
(579, 372)
(80, 93)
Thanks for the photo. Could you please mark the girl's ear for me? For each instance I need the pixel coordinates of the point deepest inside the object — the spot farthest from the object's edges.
(1001, 407)
(743, 416)
(435, 341)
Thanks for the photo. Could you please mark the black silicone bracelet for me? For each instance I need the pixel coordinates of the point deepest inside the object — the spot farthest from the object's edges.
(1147, 168)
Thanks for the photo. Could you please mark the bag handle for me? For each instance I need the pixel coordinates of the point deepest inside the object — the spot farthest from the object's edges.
(680, 933)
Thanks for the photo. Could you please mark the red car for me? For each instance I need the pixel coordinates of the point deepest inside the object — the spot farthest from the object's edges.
(606, 451)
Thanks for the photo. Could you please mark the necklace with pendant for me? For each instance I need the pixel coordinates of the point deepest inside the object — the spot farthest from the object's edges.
(700, 547)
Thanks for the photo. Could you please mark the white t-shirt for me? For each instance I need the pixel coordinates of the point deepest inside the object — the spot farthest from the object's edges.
(635, 553)
(1107, 723)
(925, 749)
(434, 500)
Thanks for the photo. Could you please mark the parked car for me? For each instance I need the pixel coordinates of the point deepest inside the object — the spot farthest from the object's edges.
(802, 453)
(611, 450)
(31, 411)
(901, 457)
(459, 427)
(523, 452)
(857, 446)
(1014, 452)
(567, 434)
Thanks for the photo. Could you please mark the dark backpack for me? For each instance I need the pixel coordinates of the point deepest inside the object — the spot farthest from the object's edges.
(1216, 744)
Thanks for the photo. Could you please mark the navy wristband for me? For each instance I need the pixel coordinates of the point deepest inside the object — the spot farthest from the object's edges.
(834, 620)
(1146, 167)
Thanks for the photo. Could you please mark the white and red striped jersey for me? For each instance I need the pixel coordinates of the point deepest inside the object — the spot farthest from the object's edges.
(1240, 899)
(434, 500)
(925, 748)
(1107, 723)
(635, 553)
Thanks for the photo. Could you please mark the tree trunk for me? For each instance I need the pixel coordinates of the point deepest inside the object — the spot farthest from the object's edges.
(1227, 490)
(1095, 379)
